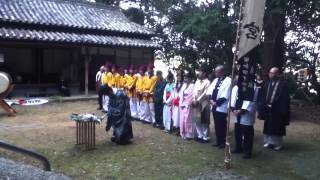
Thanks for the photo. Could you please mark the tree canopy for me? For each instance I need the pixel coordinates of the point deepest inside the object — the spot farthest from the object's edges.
(205, 32)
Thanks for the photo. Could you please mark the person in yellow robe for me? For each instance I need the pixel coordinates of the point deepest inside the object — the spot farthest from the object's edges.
(106, 77)
(149, 83)
(130, 86)
(115, 78)
(125, 75)
(139, 92)
(122, 79)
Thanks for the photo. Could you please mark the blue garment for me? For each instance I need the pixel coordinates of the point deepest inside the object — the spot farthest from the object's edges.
(119, 118)
(167, 109)
(170, 87)
(158, 101)
(158, 91)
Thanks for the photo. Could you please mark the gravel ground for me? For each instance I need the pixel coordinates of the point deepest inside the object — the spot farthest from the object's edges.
(17, 171)
(220, 175)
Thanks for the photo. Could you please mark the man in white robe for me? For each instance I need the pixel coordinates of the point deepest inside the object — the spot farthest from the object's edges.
(219, 94)
(202, 107)
(99, 84)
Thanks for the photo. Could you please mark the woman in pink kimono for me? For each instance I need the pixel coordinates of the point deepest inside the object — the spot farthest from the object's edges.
(186, 97)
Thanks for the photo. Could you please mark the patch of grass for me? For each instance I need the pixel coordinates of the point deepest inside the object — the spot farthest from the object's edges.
(153, 154)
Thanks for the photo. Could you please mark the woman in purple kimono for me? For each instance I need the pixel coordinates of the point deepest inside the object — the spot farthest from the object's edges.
(186, 97)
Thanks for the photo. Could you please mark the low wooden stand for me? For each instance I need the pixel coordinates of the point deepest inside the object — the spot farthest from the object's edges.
(86, 134)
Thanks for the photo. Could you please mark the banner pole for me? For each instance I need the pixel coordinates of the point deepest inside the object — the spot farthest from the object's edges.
(227, 159)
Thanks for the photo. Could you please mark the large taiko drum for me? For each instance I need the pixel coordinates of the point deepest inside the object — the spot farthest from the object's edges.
(5, 81)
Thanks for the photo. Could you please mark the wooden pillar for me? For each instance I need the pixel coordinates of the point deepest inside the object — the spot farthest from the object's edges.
(153, 56)
(130, 56)
(34, 65)
(115, 56)
(86, 78)
(86, 71)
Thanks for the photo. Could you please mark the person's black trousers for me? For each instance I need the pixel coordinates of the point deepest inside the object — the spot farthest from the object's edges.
(238, 137)
(220, 126)
(244, 138)
(248, 134)
(158, 112)
(101, 92)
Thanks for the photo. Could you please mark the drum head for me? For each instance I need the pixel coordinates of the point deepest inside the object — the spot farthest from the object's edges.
(5, 81)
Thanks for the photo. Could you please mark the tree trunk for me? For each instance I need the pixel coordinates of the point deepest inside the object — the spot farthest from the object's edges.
(273, 46)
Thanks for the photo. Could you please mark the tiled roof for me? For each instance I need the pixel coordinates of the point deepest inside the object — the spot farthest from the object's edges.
(68, 14)
(74, 38)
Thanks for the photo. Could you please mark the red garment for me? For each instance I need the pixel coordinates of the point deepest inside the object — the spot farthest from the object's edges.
(175, 101)
(168, 94)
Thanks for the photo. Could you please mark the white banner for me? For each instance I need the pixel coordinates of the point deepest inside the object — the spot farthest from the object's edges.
(27, 102)
(251, 25)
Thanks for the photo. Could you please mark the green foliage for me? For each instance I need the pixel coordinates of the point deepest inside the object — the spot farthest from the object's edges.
(206, 33)
(184, 28)
(290, 78)
(207, 26)
(303, 47)
(135, 15)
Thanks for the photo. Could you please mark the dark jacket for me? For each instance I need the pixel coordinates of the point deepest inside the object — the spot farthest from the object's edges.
(119, 117)
(277, 114)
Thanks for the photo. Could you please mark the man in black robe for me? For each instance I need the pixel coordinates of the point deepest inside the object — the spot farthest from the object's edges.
(274, 109)
(119, 117)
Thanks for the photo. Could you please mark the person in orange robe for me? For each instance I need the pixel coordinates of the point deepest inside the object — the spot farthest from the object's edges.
(150, 81)
(139, 91)
(131, 91)
(115, 78)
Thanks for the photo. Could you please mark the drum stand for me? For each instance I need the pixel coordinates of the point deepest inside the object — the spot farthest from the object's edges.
(3, 103)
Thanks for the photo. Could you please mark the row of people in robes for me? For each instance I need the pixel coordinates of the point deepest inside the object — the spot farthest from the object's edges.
(188, 105)
(139, 86)
(199, 99)
(184, 106)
